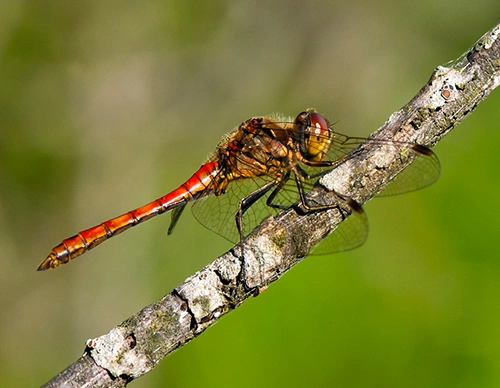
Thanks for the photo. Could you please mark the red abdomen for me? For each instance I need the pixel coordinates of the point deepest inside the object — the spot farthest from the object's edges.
(199, 185)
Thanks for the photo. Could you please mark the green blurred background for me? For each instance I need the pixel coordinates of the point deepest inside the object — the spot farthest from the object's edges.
(105, 106)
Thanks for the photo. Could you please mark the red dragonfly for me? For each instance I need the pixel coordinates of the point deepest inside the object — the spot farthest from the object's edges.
(265, 165)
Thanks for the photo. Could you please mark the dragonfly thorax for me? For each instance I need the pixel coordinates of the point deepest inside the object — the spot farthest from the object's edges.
(257, 147)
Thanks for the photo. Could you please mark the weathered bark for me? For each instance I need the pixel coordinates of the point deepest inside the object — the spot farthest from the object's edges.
(135, 347)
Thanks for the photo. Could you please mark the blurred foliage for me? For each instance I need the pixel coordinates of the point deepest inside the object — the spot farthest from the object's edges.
(105, 106)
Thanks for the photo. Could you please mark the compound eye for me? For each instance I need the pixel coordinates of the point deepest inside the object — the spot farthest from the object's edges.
(318, 137)
(318, 124)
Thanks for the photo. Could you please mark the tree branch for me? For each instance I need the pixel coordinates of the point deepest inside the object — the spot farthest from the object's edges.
(135, 346)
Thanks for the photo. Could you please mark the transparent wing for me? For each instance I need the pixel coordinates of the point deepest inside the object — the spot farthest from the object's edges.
(350, 234)
(422, 172)
(218, 213)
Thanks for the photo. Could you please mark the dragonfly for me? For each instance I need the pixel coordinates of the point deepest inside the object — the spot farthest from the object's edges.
(265, 165)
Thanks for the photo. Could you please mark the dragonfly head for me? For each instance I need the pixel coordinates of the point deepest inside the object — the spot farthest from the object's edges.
(314, 136)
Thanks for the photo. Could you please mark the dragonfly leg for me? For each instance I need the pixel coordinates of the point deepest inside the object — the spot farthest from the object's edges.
(248, 201)
(299, 173)
(324, 163)
(332, 164)
(276, 191)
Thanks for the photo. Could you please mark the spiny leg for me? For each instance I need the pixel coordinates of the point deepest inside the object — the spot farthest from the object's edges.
(243, 206)
(276, 191)
(300, 173)
(248, 201)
